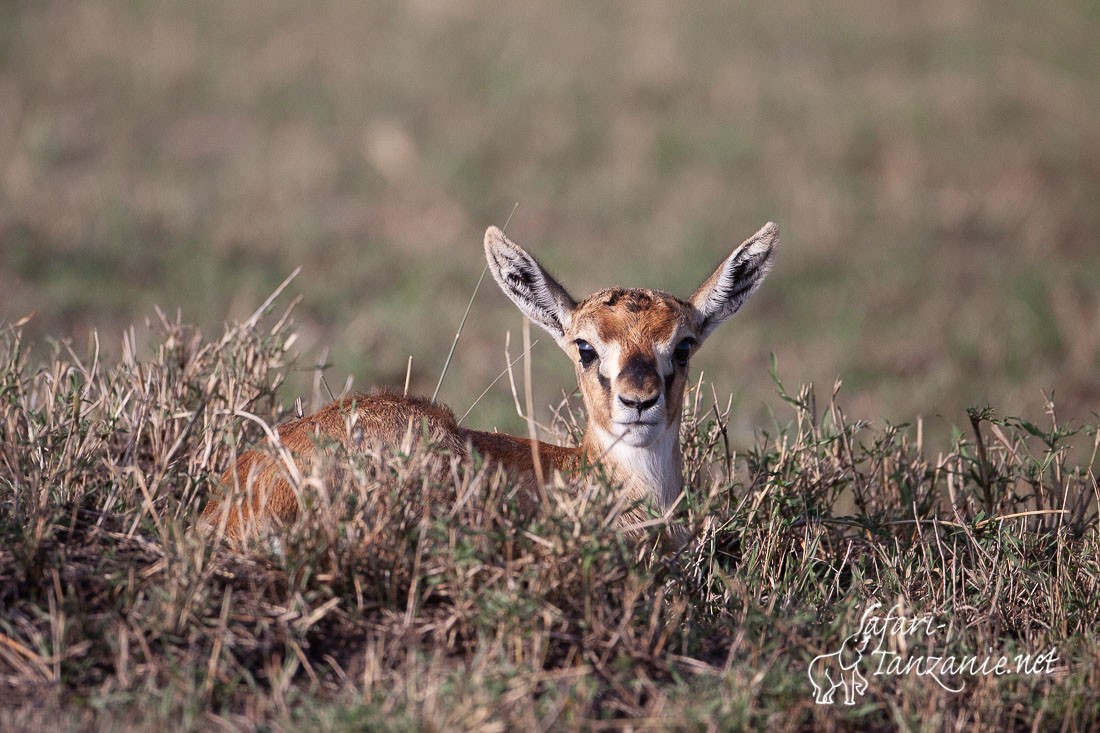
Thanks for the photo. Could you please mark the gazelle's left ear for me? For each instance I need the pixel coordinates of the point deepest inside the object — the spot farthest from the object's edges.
(725, 291)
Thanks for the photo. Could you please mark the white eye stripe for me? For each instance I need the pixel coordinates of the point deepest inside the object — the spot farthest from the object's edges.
(614, 366)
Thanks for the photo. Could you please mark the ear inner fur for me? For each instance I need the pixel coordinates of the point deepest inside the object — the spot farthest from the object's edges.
(726, 290)
(529, 286)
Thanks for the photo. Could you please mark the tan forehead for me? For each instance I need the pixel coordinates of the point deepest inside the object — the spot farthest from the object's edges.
(620, 314)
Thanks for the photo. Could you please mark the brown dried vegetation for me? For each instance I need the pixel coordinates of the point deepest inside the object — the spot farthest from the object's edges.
(413, 598)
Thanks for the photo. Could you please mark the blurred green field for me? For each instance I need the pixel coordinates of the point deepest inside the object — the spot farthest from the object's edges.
(935, 168)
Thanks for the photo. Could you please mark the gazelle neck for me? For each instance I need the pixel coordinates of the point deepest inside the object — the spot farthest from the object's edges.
(655, 471)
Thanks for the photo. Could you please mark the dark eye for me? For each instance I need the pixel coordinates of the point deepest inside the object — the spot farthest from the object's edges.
(682, 352)
(586, 352)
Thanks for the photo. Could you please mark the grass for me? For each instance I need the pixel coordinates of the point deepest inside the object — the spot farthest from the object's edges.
(934, 170)
(403, 601)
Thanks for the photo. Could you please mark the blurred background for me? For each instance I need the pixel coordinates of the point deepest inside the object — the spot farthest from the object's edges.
(934, 166)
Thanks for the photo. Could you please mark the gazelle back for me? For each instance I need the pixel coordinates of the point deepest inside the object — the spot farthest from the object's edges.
(631, 349)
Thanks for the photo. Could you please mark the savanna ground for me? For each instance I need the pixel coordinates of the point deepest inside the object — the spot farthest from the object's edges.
(935, 168)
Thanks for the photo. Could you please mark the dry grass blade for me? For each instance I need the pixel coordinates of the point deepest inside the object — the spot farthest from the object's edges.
(458, 334)
(23, 661)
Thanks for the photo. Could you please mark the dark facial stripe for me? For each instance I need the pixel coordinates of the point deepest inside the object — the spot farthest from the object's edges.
(604, 381)
(640, 372)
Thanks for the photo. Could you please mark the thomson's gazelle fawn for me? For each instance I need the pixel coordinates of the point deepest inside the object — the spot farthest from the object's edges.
(631, 349)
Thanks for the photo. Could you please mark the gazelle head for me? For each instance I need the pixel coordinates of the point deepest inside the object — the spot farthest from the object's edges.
(631, 346)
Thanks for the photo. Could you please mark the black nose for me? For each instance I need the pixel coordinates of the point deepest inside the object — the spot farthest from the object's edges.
(640, 405)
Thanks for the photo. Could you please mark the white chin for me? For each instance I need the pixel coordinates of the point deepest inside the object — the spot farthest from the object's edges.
(637, 435)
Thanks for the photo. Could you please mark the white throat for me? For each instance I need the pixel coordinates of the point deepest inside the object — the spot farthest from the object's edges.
(655, 470)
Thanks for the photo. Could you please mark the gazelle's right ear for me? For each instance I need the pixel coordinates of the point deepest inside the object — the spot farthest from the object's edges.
(529, 286)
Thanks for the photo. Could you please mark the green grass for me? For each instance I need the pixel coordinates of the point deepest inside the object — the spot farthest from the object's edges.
(404, 603)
